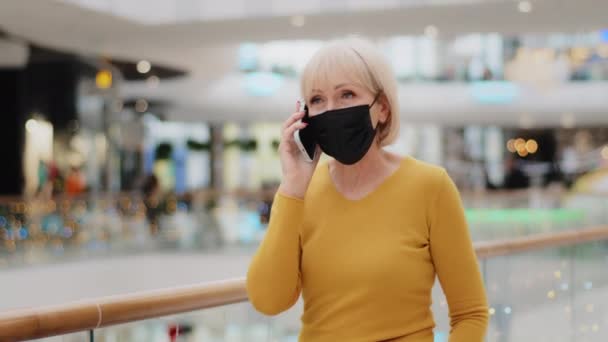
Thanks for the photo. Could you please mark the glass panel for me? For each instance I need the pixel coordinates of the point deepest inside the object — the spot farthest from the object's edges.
(440, 313)
(506, 216)
(82, 336)
(558, 294)
(590, 291)
(231, 323)
(529, 296)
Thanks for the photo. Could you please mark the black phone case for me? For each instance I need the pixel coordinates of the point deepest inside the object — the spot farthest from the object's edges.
(306, 136)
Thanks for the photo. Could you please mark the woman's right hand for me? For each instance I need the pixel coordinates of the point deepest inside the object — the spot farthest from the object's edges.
(297, 172)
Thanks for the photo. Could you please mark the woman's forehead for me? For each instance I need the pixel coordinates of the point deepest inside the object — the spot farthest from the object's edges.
(331, 81)
(326, 72)
(337, 85)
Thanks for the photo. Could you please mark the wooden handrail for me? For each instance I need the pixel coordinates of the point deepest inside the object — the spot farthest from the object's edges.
(82, 316)
(21, 325)
(519, 245)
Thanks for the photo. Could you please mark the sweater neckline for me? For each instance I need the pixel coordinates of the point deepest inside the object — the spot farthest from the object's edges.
(386, 182)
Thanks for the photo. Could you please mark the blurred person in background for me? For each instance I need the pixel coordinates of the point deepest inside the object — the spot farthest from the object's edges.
(364, 235)
(75, 182)
(152, 200)
(49, 179)
(515, 178)
(265, 206)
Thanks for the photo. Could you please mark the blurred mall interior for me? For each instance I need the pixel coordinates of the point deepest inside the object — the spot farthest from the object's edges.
(139, 145)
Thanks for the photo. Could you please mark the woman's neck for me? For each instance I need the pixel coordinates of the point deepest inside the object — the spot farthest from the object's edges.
(375, 165)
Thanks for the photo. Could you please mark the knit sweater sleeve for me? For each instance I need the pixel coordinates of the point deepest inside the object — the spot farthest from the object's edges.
(456, 265)
(274, 277)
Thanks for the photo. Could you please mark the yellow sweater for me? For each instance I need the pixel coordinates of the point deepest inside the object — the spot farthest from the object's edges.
(366, 267)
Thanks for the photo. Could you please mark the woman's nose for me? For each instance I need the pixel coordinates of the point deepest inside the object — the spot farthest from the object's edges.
(331, 105)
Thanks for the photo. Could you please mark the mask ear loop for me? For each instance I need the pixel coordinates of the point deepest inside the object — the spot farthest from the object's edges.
(379, 124)
(377, 128)
(370, 109)
(375, 99)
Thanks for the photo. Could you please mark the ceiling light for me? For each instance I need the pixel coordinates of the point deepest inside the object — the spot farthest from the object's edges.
(525, 6)
(520, 147)
(520, 144)
(431, 31)
(523, 153)
(143, 66)
(141, 105)
(31, 125)
(298, 20)
(103, 79)
(511, 146)
(531, 146)
(153, 81)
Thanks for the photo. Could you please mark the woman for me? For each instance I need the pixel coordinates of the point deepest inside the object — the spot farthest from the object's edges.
(364, 235)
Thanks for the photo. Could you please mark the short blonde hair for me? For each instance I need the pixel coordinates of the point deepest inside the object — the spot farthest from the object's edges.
(360, 61)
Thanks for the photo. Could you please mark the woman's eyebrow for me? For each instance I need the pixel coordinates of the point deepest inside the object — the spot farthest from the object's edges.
(336, 87)
(342, 85)
(351, 84)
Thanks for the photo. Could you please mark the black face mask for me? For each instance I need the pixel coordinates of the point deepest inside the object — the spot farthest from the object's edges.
(345, 134)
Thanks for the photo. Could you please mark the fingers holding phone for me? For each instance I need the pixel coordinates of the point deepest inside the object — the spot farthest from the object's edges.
(305, 140)
(298, 153)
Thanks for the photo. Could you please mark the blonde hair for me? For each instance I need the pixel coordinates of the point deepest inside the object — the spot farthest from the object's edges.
(361, 62)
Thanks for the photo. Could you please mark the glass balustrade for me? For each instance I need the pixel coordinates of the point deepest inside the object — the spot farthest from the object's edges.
(550, 294)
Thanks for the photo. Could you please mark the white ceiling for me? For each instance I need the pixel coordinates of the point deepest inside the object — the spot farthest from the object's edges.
(68, 26)
(207, 48)
(175, 11)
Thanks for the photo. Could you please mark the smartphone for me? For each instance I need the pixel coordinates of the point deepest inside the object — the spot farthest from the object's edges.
(304, 138)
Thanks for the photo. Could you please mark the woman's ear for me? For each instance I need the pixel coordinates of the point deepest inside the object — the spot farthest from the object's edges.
(385, 109)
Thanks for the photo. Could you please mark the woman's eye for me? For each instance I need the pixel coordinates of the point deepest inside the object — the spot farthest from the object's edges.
(315, 100)
(348, 95)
